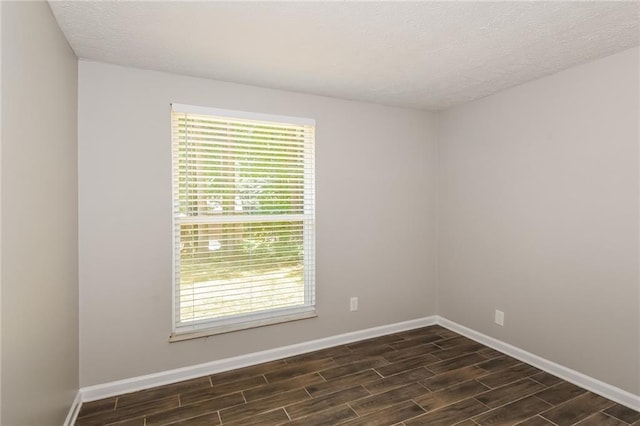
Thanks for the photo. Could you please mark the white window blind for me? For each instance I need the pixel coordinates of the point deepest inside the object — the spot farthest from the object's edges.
(243, 214)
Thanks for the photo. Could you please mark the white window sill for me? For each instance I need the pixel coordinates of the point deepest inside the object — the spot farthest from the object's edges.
(228, 328)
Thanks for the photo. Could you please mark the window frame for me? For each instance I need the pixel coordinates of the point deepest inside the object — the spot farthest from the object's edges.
(208, 327)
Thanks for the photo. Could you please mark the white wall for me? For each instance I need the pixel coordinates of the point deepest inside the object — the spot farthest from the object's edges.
(538, 217)
(375, 218)
(38, 218)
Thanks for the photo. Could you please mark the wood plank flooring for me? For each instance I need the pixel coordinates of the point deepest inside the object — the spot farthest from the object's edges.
(429, 376)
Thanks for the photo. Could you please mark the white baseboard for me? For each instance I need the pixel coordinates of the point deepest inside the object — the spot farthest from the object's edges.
(73, 410)
(133, 384)
(594, 385)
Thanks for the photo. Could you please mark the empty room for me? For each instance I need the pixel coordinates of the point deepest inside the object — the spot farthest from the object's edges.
(320, 213)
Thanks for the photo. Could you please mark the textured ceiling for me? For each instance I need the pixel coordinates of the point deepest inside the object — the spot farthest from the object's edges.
(427, 55)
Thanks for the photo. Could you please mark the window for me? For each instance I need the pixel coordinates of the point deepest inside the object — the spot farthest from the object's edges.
(244, 220)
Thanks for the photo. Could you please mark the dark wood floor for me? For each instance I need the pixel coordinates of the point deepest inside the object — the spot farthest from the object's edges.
(429, 376)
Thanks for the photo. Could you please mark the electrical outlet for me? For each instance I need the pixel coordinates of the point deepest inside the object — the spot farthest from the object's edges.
(353, 305)
(499, 319)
